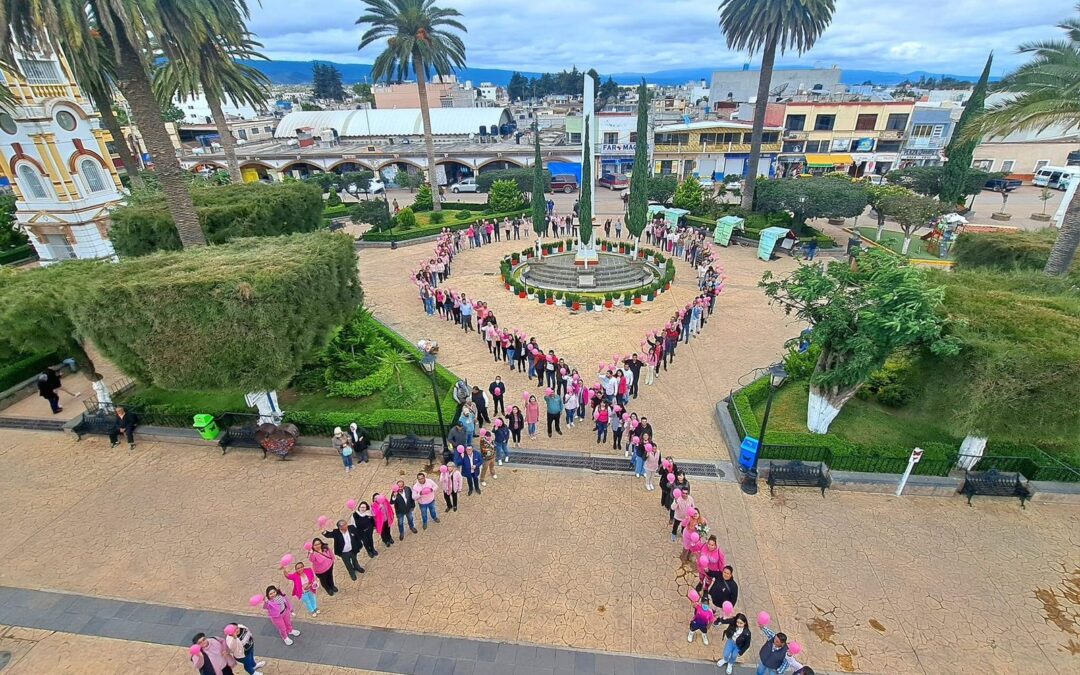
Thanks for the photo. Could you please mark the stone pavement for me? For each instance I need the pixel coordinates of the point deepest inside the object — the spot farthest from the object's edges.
(558, 558)
(744, 333)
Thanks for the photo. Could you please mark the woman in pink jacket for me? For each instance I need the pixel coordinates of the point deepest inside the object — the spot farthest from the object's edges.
(304, 586)
(709, 563)
(450, 481)
(532, 416)
(322, 561)
(280, 611)
(384, 517)
(692, 540)
(683, 503)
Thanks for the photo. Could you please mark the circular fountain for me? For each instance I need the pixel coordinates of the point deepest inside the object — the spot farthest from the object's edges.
(611, 272)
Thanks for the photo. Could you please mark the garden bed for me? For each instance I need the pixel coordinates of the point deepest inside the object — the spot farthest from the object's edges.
(894, 241)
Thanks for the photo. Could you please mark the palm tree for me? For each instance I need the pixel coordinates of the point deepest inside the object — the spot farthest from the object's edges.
(768, 25)
(1046, 93)
(418, 38)
(213, 70)
(126, 28)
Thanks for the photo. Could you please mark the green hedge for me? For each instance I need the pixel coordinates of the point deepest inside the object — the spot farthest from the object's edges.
(25, 368)
(17, 254)
(225, 212)
(1005, 250)
(430, 230)
(339, 211)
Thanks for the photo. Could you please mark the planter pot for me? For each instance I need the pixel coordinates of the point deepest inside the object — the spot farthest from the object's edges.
(522, 294)
(507, 286)
(607, 304)
(626, 302)
(637, 299)
(651, 297)
(560, 249)
(1001, 216)
(576, 306)
(1041, 217)
(836, 221)
(598, 308)
(588, 307)
(667, 286)
(550, 301)
(641, 254)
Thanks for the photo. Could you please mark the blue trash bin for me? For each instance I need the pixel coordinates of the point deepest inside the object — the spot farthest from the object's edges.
(748, 452)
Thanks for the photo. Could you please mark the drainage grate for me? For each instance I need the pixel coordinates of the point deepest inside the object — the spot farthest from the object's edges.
(31, 424)
(593, 463)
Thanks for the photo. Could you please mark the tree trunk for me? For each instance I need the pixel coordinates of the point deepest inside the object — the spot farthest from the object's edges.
(134, 83)
(880, 226)
(971, 451)
(1068, 238)
(228, 143)
(429, 140)
(103, 103)
(768, 58)
(907, 244)
(824, 405)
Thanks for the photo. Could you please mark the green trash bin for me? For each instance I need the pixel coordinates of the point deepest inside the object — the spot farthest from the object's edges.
(207, 427)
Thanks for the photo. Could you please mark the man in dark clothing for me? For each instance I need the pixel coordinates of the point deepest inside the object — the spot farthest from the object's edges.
(724, 589)
(48, 382)
(772, 653)
(124, 423)
(346, 545)
(404, 504)
(497, 389)
(635, 365)
(481, 407)
(456, 437)
(645, 428)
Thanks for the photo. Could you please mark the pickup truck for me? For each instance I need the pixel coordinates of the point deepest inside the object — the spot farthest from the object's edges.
(1002, 184)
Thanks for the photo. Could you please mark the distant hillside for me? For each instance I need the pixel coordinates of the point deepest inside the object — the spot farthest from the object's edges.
(299, 72)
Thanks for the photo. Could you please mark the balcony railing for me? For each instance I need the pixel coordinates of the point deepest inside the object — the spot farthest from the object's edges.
(891, 135)
(713, 147)
(796, 135)
(925, 143)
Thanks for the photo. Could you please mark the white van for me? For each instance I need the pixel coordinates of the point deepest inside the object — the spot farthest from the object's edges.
(1052, 176)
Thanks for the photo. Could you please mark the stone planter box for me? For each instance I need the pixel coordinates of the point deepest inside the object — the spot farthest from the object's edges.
(836, 221)
(1041, 217)
(1001, 216)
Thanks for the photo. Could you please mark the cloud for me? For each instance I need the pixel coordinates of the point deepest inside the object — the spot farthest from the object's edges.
(645, 35)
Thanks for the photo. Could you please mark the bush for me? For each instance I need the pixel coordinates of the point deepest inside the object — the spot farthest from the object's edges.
(334, 199)
(17, 254)
(522, 177)
(424, 201)
(225, 213)
(463, 215)
(430, 230)
(405, 219)
(436, 217)
(800, 365)
(1004, 250)
(891, 386)
(505, 195)
(25, 368)
(373, 211)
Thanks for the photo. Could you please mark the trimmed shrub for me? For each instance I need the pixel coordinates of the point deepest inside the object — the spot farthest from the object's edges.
(505, 195)
(25, 368)
(464, 215)
(424, 201)
(225, 213)
(436, 217)
(405, 219)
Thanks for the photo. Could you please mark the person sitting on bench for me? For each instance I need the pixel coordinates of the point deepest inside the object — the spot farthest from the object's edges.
(125, 423)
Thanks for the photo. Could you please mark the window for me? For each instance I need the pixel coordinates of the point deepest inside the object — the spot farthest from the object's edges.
(7, 123)
(241, 134)
(770, 137)
(92, 174)
(983, 164)
(817, 146)
(66, 120)
(1040, 164)
(30, 182)
(866, 122)
(575, 137)
(897, 122)
(795, 123)
(40, 71)
(1007, 165)
(861, 145)
(268, 130)
(824, 122)
(794, 146)
(939, 131)
(611, 137)
(922, 130)
(672, 139)
(633, 137)
(889, 146)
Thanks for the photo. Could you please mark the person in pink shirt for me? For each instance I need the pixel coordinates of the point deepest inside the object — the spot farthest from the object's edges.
(425, 491)
(692, 540)
(322, 562)
(280, 611)
(532, 416)
(450, 481)
(303, 586)
(384, 517)
(710, 561)
(703, 618)
(211, 655)
(652, 465)
(683, 502)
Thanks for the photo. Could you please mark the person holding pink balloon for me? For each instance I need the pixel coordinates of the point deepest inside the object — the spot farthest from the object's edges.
(322, 561)
(497, 389)
(681, 484)
(210, 656)
(709, 563)
(652, 465)
(693, 539)
(280, 611)
(450, 482)
(240, 642)
(724, 589)
(303, 586)
(532, 416)
(384, 517)
(773, 654)
(736, 639)
(679, 507)
(703, 618)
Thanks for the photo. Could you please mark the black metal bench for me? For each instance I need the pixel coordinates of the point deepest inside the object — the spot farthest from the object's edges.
(797, 474)
(241, 437)
(995, 484)
(93, 423)
(410, 447)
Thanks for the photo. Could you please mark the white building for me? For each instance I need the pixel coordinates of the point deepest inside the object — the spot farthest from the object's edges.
(491, 92)
(54, 151)
(197, 110)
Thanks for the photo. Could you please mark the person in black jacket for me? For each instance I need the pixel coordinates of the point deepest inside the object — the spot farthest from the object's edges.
(724, 588)
(635, 365)
(346, 546)
(736, 640)
(124, 423)
(497, 389)
(480, 402)
(402, 498)
(358, 439)
(364, 523)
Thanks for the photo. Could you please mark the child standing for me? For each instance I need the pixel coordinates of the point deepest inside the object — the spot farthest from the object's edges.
(703, 618)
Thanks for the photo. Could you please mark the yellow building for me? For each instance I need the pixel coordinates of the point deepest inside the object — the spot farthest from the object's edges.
(860, 137)
(711, 149)
(54, 151)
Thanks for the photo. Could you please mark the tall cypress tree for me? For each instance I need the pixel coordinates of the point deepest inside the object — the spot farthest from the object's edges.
(539, 206)
(639, 187)
(960, 150)
(585, 203)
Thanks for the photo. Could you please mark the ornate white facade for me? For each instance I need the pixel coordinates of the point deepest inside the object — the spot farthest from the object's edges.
(52, 149)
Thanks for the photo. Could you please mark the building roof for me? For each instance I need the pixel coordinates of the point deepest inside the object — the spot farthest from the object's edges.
(710, 124)
(397, 122)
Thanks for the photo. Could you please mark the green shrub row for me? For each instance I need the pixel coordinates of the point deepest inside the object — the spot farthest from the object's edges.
(428, 231)
(17, 254)
(25, 368)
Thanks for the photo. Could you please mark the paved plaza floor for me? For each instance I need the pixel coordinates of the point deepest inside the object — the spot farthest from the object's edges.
(557, 558)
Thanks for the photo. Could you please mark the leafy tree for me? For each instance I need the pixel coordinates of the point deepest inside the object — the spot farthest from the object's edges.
(661, 189)
(423, 201)
(768, 26)
(505, 195)
(419, 37)
(326, 82)
(928, 180)
(961, 147)
(310, 107)
(584, 207)
(409, 180)
(362, 91)
(860, 314)
(539, 206)
(517, 88)
(638, 204)
(912, 212)
(609, 90)
(688, 195)
(372, 211)
(823, 197)
(875, 194)
(10, 237)
(172, 113)
(405, 219)
(333, 199)
(395, 361)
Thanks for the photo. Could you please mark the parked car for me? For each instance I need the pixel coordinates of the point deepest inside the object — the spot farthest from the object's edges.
(375, 186)
(875, 179)
(614, 181)
(1002, 184)
(466, 185)
(734, 185)
(564, 182)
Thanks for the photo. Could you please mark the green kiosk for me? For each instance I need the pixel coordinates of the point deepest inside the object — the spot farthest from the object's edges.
(725, 227)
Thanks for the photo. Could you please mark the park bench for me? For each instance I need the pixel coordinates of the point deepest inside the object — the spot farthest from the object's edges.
(242, 436)
(97, 423)
(994, 484)
(409, 447)
(797, 474)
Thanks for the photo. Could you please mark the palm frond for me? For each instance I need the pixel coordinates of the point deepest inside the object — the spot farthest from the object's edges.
(751, 25)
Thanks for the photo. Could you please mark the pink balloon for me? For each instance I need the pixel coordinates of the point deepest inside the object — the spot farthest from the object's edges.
(497, 423)
(351, 504)
(794, 648)
(444, 469)
(626, 417)
(255, 600)
(617, 409)
(525, 395)
(694, 537)
(230, 629)
(763, 619)
(691, 512)
(461, 448)
(307, 546)
(693, 595)
(286, 560)
(728, 608)
(498, 391)
(676, 493)
(648, 447)
(635, 439)
(323, 520)
(634, 424)
(549, 391)
(195, 650)
(562, 371)
(671, 478)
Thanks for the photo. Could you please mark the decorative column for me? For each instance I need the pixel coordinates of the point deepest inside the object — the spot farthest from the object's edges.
(586, 246)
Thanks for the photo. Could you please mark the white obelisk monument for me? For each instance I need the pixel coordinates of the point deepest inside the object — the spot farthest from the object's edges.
(586, 251)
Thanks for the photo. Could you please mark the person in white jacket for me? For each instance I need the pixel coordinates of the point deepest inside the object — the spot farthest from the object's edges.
(241, 644)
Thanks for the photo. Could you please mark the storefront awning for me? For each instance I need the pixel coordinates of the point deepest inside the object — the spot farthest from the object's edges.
(827, 160)
(791, 159)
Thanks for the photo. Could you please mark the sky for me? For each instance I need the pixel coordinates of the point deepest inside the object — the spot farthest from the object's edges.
(615, 36)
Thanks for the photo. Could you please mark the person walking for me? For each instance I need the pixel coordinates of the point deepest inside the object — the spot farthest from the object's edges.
(280, 611)
(502, 441)
(343, 447)
(736, 640)
(516, 422)
(124, 423)
(384, 517)
(703, 618)
(554, 410)
(425, 492)
(241, 643)
(450, 482)
(532, 416)
(48, 381)
(404, 503)
(303, 586)
(480, 401)
(364, 522)
(346, 546)
(488, 453)
(773, 654)
(211, 656)
(322, 561)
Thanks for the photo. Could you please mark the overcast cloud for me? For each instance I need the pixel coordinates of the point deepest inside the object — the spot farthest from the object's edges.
(613, 36)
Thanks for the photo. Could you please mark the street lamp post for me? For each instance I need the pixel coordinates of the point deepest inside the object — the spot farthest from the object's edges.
(431, 355)
(777, 375)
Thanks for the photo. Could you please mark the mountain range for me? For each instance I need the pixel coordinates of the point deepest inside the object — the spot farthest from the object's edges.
(299, 72)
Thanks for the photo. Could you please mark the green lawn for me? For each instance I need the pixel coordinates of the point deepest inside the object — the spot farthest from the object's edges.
(894, 241)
